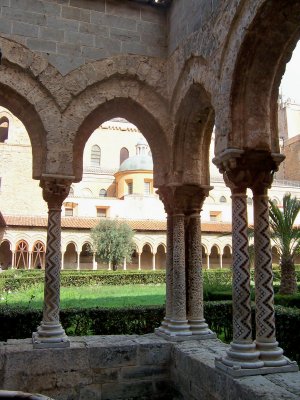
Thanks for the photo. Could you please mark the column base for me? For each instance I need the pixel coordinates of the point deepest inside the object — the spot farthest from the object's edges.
(199, 327)
(241, 356)
(271, 354)
(50, 335)
(164, 325)
(238, 371)
(178, 331)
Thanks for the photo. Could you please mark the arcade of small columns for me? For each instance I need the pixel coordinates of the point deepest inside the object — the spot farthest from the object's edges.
(184, 318)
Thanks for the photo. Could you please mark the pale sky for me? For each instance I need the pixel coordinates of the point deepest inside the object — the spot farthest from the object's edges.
(290, 83)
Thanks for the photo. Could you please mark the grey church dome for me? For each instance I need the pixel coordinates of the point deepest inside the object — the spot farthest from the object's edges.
(141, 161)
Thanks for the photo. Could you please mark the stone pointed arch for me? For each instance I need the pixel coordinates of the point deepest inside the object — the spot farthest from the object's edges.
(266, 47)
(193, 128)
(124, 97)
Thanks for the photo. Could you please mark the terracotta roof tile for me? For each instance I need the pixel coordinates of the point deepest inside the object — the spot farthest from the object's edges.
(88, 223)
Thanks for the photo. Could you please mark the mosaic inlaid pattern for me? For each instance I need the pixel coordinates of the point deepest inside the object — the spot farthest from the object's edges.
(52, 270)
(179, 284)
(194, 273)
(264, 294)
(241, 270)
(169, 267)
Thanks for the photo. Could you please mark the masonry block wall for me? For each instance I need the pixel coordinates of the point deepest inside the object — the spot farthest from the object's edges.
(74, 32)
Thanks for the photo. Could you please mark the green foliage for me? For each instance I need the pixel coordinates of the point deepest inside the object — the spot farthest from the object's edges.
(113, 242)
(20, 323)
(287, 237)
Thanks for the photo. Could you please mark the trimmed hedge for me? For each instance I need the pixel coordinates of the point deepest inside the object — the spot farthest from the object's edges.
(220, 279)
(18, 281)
(17, 323)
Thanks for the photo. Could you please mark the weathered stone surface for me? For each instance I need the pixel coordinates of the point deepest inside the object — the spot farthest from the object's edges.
(84, 371)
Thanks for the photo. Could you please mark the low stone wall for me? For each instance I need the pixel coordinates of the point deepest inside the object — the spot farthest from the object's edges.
(134, 367)
(193, 372)
(95, 367)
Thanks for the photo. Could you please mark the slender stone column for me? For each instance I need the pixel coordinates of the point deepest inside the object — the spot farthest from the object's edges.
(194, 278)
(124, 265)
(78, 260)
(50, 333)
(94, 261)
(178, 322)
(169, 274)
(62, 260)
(13, 257)
(139, 260)
(242, 351)
(266, 342)
(29, 259)
(153, 261)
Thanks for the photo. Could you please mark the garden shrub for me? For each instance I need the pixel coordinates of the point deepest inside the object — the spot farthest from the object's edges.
(20, 323)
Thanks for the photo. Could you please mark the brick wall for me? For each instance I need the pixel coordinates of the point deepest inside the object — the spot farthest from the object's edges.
(73, 32)
(187, 17)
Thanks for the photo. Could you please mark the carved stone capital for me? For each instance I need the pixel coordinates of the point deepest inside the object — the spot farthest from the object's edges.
(55, 189)
(185, 199)
(248, 169)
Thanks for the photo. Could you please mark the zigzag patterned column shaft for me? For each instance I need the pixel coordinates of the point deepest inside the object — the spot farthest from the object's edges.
(178, 322)
(50, 333)
(242, 329)
(195, 279)
(169, 275)
(266, 342)
(52, 270)
(242, 352)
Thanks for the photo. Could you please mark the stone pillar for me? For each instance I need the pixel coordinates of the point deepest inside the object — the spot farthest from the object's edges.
(124, 265)
(208, 260)
(221, 259)
(29, 259)
(153, 261)
(139, 256)
(94, 262)
(194, 277)
(244, 170)
(178, 321)
(242, 351)
(169, 275)
(50, 333)
(266, 344)
(13, 257)
(184, 293)
(78, 260)
(62, 260)
(109, 265)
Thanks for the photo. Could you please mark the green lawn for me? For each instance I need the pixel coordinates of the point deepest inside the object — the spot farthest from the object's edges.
(91, 296)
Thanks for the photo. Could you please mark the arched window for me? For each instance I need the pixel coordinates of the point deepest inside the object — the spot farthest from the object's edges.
(223, 199)
(38, 255)
(22, 255)
(96, 156)
(102, 193)
(4, 125)
(124, 154)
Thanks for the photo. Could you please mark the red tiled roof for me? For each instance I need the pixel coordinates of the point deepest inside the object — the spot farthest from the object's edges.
(88, 223)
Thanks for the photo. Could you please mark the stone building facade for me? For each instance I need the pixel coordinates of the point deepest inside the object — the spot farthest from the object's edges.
(175, 70)
(103, 193)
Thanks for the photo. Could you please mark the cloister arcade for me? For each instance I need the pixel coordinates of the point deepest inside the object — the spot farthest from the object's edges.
(225, 73)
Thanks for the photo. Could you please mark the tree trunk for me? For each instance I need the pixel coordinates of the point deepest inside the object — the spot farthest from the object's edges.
(288, 283)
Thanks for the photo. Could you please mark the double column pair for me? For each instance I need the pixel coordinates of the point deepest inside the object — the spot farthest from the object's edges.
(50, 332)
(262, 355)
(184, 286)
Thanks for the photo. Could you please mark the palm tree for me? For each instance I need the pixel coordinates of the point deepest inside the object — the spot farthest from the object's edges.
(287, 238)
